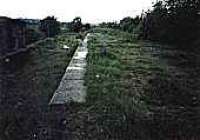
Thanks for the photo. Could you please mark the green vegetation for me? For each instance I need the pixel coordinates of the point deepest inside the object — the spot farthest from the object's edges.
(77, 26)
(137, 90)
(49, 61)
(173, 21)
(32, 78)
(116, 84)
(113, 25)
(33, 35)
(170, 21)
(50, 26)
(129, 24)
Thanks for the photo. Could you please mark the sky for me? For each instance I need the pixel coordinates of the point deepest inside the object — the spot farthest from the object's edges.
(92, 11)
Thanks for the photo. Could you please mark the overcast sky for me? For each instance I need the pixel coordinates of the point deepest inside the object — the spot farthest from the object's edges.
(93, 11)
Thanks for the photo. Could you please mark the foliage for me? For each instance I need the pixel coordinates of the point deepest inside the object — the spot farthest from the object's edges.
(141, 90)
(113, 84)
(50, 26)
(36, 76)
(173, 21)
(113, 25)
(33, 35)
(76, 24)
(87, 26)
(128, 24)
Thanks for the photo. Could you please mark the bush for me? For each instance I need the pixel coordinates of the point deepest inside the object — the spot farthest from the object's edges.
(33, 35)
(50, 26)
(173, 22)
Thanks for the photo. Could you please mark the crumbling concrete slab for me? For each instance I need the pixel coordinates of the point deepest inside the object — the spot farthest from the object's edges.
(72, 88)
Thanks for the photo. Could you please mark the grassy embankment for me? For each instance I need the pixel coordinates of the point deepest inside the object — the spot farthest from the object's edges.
(28, 83)
(116, 83)
(116, 106)
(139, 90)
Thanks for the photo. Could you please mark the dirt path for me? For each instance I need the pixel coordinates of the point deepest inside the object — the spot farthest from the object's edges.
(72, 87)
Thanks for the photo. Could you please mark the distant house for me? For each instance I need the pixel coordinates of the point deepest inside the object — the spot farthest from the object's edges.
(12, 35)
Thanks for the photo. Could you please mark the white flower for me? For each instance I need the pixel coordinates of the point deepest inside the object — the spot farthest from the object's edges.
(65, 47)
(97, 76)
(7, 60)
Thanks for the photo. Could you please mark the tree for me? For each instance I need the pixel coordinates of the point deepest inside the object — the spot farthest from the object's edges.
(76, 24)
(128, 24)
(173, 21)
(87, 26)
(50, 26)
(113, 25)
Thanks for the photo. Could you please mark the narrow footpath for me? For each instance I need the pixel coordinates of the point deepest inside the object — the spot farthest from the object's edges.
(71, 88)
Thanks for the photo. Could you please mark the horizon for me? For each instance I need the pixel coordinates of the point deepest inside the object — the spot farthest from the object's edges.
(89, 10)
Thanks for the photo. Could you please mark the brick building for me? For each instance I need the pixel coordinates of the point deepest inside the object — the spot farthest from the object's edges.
(12, 35)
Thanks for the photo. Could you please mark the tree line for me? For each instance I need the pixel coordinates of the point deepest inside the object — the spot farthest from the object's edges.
(173, 21)
(170, 21)
(50, 26)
